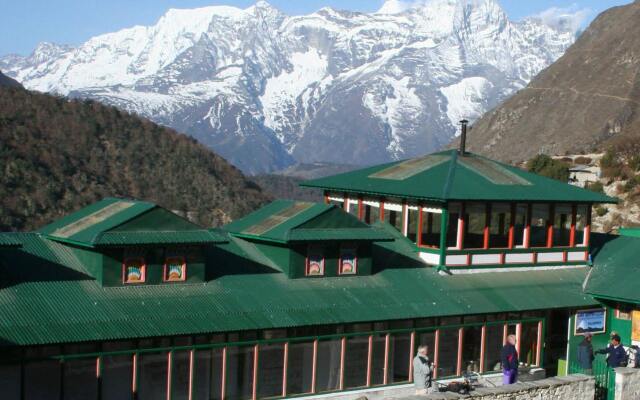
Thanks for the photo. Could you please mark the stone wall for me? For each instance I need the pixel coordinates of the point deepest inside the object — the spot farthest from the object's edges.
(571, 387)
(627, 383)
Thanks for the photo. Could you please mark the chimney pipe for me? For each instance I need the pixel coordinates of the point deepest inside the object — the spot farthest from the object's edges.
(463, 137)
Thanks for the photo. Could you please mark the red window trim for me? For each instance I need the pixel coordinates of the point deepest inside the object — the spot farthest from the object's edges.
(306, 267)
(355, 265)
(124, 270)
(184, 269)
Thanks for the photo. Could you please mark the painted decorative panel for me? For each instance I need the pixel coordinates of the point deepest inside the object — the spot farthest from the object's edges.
(551, 257)
(519, 258)
(485, 259)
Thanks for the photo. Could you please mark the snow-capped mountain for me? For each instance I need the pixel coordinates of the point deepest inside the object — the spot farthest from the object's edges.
(265, 89)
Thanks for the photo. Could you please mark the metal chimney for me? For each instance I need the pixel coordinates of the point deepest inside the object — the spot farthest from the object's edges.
(463, 137)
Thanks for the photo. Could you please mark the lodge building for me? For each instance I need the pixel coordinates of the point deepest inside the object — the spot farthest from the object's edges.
(124, 299)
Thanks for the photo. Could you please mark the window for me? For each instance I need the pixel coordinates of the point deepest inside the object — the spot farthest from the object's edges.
(412, 223)
(539, 220)
(134, 270)
(299, 368)
(175, 269)
(494, 337)
(582, 212)
(117, 377)
(430, 228)
(399, 357)
(519, 224)
(529, 343)
(393, 215)
(80, 380)
(448, 353)
(499, 225)
(239, 384)
(371, 211)
(354, 207)
(41, 379)
(270, 370)
(378, 350)
(475, 221)
(315, 261)
(348, 262)
(10, 381)
(452, 229)
(336, 200)
(471, 347)
(328, 365)
(180, 364)
(355, 362)
(152, 375)
(562, 217)
(207, 374)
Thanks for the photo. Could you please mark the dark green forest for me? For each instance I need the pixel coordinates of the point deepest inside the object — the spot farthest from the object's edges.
(58, 155)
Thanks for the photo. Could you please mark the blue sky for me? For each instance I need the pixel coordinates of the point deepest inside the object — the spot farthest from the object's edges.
(25, 23)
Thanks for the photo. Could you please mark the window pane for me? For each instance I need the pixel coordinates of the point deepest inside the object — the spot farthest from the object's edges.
(355, 362)
(399, 355)
(328, 368)
(539, 218)
(10, 381)
(239, 372)
(529, 343)
(354, 208)
(339, 203)
(117, 376)
(452, 229)
(581, 222)
(499, 225)
(80, 381)
(475, 215)
(412, 224)
(270, 370)
(371, 213)
(431, 229)
(426, 339)
(377, 359)
(471, 346)
(180, 375)
(519, 224)
(299, 368)
(394, 218)
(448, 353)
(41, 379)
(207, 374)
(561, 225)
(152, 376)
(493, 347)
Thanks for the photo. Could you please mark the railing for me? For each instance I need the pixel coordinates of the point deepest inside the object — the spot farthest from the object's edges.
(605, 378)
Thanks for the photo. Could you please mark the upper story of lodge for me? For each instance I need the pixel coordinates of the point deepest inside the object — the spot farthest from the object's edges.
(464, 210)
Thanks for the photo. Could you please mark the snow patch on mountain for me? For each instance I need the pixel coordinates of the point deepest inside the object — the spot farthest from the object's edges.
(465, 98)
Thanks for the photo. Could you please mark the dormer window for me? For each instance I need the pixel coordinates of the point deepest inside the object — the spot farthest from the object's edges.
(134, 270)
(348, 262)
(175, 269)
(315, 261)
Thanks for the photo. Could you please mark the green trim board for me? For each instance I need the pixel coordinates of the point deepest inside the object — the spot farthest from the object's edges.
(458, 178)
(285, 221)
(48, 296)
(633, 232)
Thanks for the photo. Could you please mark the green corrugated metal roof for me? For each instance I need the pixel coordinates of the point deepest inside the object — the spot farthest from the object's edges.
(634, 232)
(119, 238)
(471, 177)
(284, 221)
(616, 264)
(84, 225)
(47, 297)
(9, 239)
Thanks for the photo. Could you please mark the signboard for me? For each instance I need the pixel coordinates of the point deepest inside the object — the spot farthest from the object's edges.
(635, 325)
(590, 321)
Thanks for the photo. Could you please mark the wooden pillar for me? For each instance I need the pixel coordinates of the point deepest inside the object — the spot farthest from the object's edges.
(360, 209)
(169, 373)
(552, 210)
(191, 373)
(314, 369)
(587, 227)
(134, 380)
(444, 227)
(254, 387)
(574, 220)
(419, 230)
(285, 369)
(405, 218)
(381, 204)
(326, 197)
(461, 227)
(436, 354)
(412, 346)
(487, 224)
(527, 229)
(369, 360)
(512, 223)
(343, 350)
(460, 344)
(483, 339)
(539, 347)
(223, 386)
(385, 379)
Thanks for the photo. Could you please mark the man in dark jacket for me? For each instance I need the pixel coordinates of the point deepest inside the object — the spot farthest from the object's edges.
(585, 354)
(510, 361)
(617, 354)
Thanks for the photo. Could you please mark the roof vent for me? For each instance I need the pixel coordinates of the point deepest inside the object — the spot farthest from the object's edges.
(463, 137)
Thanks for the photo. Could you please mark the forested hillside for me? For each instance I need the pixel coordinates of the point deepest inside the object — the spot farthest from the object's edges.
(57, 155)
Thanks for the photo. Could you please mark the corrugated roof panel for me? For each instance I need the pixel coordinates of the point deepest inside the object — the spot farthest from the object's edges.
(492, 171)
(411, 167)
(119, 238)
(94, 218)
(38, 309)
(338, 234)
(9, 240)
(278, 218)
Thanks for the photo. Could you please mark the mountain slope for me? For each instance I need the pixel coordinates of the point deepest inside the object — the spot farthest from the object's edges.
(58, 155)
(266, 90)
(8, 82)
(588, 97)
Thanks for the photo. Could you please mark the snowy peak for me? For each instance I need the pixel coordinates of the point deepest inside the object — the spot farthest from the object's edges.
(265, 89)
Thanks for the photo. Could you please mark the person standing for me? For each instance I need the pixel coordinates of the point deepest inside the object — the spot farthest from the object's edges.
(422, 371)
(585, 354)
(509, 361)
(616, 354)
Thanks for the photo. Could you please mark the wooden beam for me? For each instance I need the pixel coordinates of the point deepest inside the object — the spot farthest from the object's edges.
(512, 222)
(285, 369)
(487, 224)
(574, 220)
(550, 222)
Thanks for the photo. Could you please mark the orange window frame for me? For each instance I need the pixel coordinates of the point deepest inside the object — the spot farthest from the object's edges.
(320, 251)
(143, 268)
(355, 260)
(165, 267)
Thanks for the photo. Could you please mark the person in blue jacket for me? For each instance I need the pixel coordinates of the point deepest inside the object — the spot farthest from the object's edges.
(510, 361)
(617, 355)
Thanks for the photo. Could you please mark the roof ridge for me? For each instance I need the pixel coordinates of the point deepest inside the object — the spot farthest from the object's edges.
(453, 163)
